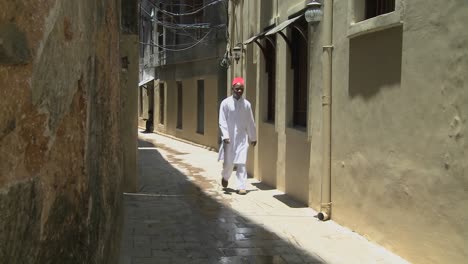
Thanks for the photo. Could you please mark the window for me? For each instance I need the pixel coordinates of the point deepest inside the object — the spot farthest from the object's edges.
(179, 105)
(162, 100)
(201, 107)
(140, 101)
(198, 17)
(160, 14)
(299, 61)
(378, 7)
(176, 20)
(142, 39)
(370, 16)
(160, 38)
(271, 71)
(152, 38)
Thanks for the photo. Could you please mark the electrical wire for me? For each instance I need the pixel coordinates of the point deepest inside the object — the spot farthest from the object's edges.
(183, 49)
(188, 13)
(184, 26)
(175, 27)
(191, 12)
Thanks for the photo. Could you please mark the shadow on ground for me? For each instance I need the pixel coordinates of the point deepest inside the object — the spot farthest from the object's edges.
(287, 200)
(262, 186)
(172, 220)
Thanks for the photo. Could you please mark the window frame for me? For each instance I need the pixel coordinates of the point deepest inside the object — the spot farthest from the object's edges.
(358, 24)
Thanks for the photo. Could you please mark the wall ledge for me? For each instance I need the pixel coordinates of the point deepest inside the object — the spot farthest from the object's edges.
(374, 24)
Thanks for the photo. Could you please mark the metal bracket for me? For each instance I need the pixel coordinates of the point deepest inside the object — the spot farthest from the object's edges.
(261, 48)
(301, 32)
(288, 42)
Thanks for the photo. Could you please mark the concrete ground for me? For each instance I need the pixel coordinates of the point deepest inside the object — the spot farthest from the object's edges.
(181, 214)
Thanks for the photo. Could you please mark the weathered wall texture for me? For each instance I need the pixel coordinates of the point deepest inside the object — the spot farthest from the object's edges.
(60, 144)
(399, 125)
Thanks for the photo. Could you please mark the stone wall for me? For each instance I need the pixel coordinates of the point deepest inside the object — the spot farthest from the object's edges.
(60, 140)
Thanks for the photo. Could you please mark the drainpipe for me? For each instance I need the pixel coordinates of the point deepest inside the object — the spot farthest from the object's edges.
(241, 15)
(326, 204)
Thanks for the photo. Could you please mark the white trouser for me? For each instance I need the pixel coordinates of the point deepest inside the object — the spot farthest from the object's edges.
(241, 174)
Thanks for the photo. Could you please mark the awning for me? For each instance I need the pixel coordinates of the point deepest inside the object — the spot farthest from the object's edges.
(282, 26)
(254, 37)
(145, 81)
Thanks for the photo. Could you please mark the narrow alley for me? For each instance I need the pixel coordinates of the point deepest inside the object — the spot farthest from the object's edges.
(181, 214)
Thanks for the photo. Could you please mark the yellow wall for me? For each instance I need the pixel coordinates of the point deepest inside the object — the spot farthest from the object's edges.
(269, 160)
(189, 118)
(297, 165)
(398, 120)
(399, 162)
(158, 126)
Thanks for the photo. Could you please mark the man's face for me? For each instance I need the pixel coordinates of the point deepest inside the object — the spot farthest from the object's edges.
(237, 91)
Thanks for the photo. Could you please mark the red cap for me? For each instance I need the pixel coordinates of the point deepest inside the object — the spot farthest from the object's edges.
(238, 81)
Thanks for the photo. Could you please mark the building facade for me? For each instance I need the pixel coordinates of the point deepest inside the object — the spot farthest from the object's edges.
(361, 114)
(181, 79)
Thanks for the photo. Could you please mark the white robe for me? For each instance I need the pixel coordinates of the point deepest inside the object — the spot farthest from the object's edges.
(236, 123)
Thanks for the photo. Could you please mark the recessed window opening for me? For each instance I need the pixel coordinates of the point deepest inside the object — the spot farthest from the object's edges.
(198, 17)
(140, 101)
(179, 105)
(299, 61)
(152, 39)
(162, 100)
(270, 68)
(379, 7)
(201, 107)
(176, 20)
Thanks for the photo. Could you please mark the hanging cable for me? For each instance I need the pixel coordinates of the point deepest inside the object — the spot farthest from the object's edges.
(188, 13)
(184, 26)
(183, 49)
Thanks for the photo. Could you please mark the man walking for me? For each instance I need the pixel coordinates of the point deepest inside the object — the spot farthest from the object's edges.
(238, 130)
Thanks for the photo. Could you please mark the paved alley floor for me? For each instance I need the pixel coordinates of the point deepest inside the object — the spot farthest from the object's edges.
(181, 214)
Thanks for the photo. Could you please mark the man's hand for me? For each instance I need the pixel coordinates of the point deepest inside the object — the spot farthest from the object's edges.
(226, 141)
(253, 143)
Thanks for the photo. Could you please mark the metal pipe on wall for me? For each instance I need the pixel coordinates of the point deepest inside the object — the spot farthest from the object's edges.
(242, 26)
(326, 204)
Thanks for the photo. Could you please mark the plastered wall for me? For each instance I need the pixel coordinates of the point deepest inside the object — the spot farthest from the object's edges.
(398, 122)
(279, 143)
(189, 128)
(399, 110)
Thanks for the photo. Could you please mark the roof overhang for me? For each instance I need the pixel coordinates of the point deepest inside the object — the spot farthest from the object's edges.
(145, 81)
(254, 38)
(282, 26)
